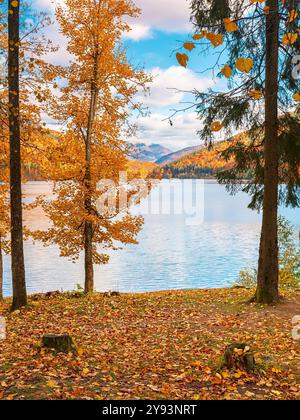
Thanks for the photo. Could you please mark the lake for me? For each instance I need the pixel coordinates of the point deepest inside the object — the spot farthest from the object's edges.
(175, 251)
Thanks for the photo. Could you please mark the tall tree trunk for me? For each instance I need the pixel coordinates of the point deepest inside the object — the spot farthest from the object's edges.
(267, 282)
(17, 253)
(1, 270)
(88, 226)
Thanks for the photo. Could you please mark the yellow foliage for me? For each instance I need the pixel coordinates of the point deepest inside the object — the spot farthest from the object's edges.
(296, 96)
(244, 64)
(216, 126)
(255, 94)
(139, 169)
(293, 14)
(289, 38)
(230, 26)
(226, 71)
(215, 39)
(96, 102)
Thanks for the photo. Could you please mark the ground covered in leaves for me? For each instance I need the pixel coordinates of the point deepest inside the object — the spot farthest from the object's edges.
(165, 345)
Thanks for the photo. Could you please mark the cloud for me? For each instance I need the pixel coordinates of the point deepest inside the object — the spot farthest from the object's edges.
(171, 86)
(52, 32)
(156, 129)
(47, 4)
(170, 16)
(165, 15)
(139, 32)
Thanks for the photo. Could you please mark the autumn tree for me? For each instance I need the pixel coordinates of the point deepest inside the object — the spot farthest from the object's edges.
(4, 228)
(94, 107)
(255, 43)
(17, 255)
(22, 88)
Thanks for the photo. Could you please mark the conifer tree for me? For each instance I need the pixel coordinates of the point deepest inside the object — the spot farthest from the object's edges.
(256, 43)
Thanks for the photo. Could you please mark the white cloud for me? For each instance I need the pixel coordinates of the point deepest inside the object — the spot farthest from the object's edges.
(170, 86)
(157, 129)
(139, 32)
(169, 16)
(165, 15)
(47, 4)
(52, 32)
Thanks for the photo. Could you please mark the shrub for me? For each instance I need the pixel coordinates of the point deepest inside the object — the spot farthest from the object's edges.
(289, 259)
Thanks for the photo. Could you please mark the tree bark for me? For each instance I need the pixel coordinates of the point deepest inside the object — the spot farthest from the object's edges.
(1, 270)
(239, 356)
(267, 281)
(17, 253)
(88, 226)
(59, 343)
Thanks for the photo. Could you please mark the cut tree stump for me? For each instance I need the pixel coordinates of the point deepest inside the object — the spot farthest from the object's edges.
(60, 343)
(111, 294)
(239, 356)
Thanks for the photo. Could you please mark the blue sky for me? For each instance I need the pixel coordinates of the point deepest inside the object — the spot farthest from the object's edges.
(155, 35)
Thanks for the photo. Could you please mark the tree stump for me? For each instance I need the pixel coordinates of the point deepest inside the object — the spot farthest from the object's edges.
(239, 356)
(111, 294)
(59, 343)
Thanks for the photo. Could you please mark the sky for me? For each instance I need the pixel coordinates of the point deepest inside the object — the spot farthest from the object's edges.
(161, 29)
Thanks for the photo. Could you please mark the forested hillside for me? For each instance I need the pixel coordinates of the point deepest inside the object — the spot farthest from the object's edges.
(202, 164)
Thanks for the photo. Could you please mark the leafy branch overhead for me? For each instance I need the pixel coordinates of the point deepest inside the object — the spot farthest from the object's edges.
(235, 30)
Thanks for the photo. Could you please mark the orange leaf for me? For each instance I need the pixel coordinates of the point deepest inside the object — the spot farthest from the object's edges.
(296, 96)
(199, 36)
(229, 25)
(216, 126)
(189, 46)
(182, 59)
(292, 15)
(289, 38)
(226, 71)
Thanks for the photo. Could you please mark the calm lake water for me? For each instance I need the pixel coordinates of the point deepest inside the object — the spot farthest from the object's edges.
(174, 251)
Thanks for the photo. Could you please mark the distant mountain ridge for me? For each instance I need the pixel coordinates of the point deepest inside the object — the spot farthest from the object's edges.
(204, 163)
(147, 153)
(172, 157)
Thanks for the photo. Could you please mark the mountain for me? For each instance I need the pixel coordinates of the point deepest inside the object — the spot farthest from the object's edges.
(171, 157)
(147, 153)
(201, 164)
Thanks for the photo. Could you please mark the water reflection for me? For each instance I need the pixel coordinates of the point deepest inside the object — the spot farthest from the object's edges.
(170, 255)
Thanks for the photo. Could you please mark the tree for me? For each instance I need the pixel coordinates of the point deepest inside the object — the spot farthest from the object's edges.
(256, 44)
(268, 266)
(95, 107)
(4, 229)
(26, 85)
(17, 253)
